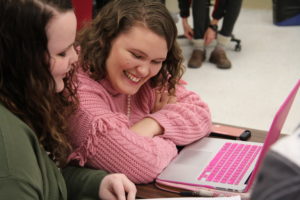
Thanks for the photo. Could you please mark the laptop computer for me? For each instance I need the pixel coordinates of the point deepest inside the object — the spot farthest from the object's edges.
(224, 164)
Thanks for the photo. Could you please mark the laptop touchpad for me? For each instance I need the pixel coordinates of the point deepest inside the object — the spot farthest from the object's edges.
(193, 157)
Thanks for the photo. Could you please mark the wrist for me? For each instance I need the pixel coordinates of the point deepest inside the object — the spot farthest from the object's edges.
(148, 127)
(214, 21)
(214, 27)
(184, 20)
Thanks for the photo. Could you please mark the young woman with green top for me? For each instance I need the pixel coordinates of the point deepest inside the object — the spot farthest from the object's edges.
(37, 94)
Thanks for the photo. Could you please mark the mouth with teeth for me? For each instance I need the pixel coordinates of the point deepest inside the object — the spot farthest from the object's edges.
(132, 77)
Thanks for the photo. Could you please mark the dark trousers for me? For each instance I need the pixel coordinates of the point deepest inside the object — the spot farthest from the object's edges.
(100, 3)
(229, 10)
(201, 19)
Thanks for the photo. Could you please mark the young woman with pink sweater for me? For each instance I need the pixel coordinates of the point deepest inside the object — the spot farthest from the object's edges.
(134, 109)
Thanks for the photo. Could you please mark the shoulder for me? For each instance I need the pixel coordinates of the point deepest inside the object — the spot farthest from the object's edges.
(88, 87)
(281, 166)
(13, 130)
(86, 82)
(18, 146)
(288, 147)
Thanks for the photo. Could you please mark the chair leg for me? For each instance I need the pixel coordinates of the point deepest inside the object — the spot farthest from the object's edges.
(238, 46)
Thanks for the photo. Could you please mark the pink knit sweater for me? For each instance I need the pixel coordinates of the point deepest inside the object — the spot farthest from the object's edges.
(100, 134)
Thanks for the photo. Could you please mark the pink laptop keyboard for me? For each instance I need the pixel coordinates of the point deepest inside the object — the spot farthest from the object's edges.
(231, 163)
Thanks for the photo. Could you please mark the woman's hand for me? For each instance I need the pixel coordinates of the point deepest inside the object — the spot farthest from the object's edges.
(117, 187)
(162, 98)
(149, 127)
(188, 31)
(209, 36)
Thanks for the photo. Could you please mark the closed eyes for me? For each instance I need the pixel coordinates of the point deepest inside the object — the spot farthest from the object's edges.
(62, 54)
(137, 56)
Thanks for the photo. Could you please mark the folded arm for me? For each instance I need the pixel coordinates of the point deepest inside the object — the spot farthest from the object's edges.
(103, 140)
(186, 120)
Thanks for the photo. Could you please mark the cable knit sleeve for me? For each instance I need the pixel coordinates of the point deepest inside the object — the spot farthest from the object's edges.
(185, 121)
(101, 139)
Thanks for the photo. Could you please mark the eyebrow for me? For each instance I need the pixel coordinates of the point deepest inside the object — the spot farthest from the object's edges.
(141, 52)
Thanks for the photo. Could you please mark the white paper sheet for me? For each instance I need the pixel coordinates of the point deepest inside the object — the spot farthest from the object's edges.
(198, 198)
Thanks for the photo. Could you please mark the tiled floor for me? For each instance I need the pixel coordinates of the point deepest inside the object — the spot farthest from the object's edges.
(263, 73)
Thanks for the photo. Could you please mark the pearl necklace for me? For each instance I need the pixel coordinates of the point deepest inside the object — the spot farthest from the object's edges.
(128, 106)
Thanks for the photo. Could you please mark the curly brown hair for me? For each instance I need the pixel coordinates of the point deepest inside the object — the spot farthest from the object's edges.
(27, 87)
(119, 16)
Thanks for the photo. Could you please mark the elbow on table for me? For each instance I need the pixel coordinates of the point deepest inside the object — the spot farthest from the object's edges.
(205, 125)
(143, 177)
(144, 173)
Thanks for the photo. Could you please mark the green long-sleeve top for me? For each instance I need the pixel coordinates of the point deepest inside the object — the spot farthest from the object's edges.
(26, 171)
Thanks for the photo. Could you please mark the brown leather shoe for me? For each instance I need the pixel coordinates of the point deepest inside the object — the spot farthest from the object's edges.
(218, 57)
(198, 56)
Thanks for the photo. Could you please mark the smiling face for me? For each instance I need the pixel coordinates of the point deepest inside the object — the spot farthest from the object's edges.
(61, 32)
(134, 58)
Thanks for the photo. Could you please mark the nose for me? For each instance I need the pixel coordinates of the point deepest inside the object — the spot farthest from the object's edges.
(74, 56)
(143, 69)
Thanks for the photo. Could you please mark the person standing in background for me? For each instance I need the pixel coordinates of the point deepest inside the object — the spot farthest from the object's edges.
(98, 4)
(204, 30)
